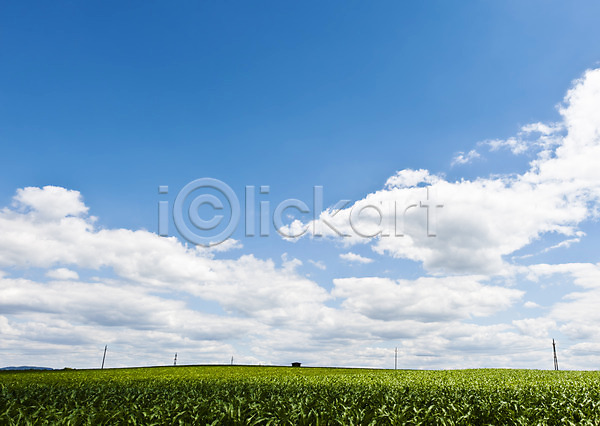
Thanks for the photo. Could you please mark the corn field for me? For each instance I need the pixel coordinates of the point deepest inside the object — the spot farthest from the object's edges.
(237, 395)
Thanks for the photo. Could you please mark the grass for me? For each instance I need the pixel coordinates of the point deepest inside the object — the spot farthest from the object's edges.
(305, 396)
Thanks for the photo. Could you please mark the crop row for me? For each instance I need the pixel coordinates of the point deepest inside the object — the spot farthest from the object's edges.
(255, 395)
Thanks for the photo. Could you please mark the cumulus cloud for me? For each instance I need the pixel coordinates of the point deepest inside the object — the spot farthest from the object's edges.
(33, 238)
(408, 178)
(154, 291)
(50, 202)
(353, 257)
(536, 327)
(531, 305)
(227, 245)
(462, 158)
(486, 219)
(150, 291)
(426, 299)
(573, 319)
(534, 136)
(318, 264)
(62, 274)
(577, 313)
(148, 288)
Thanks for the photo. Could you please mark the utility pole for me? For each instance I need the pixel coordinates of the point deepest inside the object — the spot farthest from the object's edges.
(175, 360)
(104, 357)
(231, 359)
(555, 359)
(396, 359)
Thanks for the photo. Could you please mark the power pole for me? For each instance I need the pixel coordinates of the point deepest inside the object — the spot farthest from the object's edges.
(175, 360)
(555, 359)
(104, 357)
(231, 359)
(396, 359)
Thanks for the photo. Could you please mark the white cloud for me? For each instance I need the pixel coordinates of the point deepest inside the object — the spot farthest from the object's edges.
(50, 202)
(486, 219)
(516, 145)
(245, 285)
(153, 292)
(227, 245)
(82, 305)
(535, 327)
(318, 264)
(425, 299)
(353, 257)
(563, 244)
(152, 287)
(584, 275)
(62, 274)
(265, 313)
(578, 313)
(462, 158)
(408, 178)
(575, 315)
(540, 136)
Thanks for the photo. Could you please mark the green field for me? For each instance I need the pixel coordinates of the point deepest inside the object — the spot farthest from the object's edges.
(281, 395)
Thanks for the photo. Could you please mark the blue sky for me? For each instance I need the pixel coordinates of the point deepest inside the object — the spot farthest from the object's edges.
(103, 102)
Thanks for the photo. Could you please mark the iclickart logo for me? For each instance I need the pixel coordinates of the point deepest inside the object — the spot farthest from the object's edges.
(207, 212)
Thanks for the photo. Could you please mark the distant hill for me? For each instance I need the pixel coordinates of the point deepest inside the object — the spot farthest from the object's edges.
(26, 367)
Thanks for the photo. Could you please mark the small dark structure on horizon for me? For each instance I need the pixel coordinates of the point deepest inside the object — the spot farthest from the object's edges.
(296, 364)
